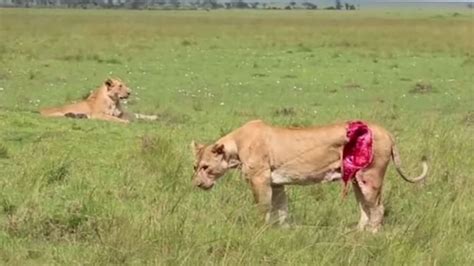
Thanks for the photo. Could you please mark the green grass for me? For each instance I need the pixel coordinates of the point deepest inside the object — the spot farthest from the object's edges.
(91, 192)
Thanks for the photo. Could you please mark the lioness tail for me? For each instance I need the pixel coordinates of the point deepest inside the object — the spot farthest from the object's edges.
(13, 109)
(397, 162)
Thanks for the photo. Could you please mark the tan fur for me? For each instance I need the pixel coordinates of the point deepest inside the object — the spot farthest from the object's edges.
(271, 157)
(103, 103)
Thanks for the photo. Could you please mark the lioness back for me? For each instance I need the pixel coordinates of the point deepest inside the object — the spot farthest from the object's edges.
(78, 108)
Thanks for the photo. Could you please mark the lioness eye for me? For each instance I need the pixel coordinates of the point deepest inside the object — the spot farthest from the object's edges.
(204, 167)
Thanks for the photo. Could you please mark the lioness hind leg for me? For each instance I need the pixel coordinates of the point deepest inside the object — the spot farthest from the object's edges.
(368, 192)
(51, 113)
(76, 115)
(70, 115)
(364, 210)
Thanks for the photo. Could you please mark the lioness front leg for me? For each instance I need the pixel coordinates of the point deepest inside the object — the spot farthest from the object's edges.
(262, 192)
(280, 205)
(108, 118)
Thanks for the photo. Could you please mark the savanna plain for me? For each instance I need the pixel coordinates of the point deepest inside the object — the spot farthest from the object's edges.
(93, 192)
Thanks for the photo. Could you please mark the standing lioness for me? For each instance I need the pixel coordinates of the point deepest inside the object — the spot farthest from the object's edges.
(271, 157)
(103, 103)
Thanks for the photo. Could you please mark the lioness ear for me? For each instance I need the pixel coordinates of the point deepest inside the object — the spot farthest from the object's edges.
(196, 147)
(218, 149)
(108, 82)
(234, 162)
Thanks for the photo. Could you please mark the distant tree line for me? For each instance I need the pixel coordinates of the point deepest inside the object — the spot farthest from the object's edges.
(170, 4)
(340, 6)
(180, 4)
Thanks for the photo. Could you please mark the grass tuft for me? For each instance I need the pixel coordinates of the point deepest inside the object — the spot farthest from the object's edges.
(468, 119)
(57, 172)
(422, 88)
(3, 152)
(285, 111)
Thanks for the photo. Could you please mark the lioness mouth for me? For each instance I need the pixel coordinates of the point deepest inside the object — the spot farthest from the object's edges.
(206, 188)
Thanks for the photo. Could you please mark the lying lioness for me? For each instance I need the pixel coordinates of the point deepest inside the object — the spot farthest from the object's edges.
(271, 157)
(103, 103)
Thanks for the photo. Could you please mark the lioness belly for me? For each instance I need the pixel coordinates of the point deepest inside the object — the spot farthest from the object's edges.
(283, 178)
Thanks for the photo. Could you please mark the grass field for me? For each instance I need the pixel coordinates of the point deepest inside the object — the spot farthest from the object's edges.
(91, 192)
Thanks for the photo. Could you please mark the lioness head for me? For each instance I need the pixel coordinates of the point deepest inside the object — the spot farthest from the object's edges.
(211, 162)
(116, 89)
